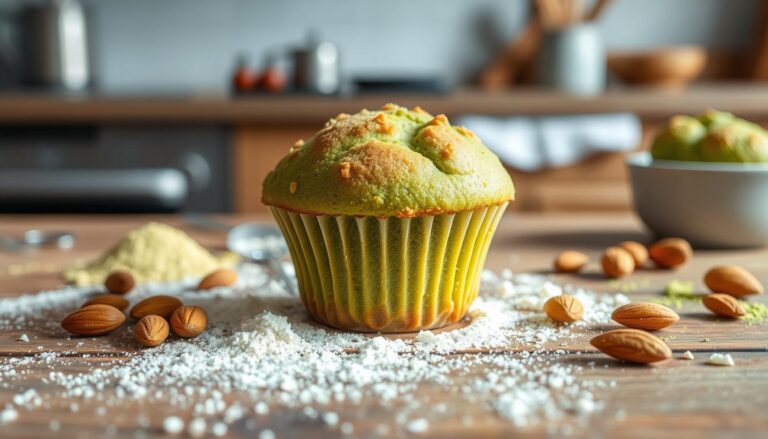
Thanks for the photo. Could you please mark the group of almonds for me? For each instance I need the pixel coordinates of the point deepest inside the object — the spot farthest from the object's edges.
(626, 257)
(156, 316)
(634, 343)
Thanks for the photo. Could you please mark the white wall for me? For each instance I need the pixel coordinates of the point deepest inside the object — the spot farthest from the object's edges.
(182, 44)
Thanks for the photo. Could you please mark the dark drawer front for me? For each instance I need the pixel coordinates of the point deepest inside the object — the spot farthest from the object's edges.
(167, 168)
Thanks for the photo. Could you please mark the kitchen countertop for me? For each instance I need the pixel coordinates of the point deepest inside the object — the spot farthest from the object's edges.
(674, 399)
(747, 100)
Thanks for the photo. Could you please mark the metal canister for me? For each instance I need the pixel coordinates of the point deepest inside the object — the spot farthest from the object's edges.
(316, 67)
(54, 45)
(572, 60)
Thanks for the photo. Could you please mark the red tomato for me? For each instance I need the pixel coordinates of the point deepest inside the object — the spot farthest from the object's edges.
(272, 80)
(244, 79)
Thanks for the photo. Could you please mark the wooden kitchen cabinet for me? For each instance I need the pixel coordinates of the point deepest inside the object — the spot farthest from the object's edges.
(256, 149)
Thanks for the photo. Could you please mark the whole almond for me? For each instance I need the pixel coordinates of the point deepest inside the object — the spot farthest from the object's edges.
(220, 278)
(617, 262)
(570, 261)
(93, 320)
(151, 330)
(645, 315)
(119, 282)
(670, 252)
(632, 345)
(189, 321)
(638, 251)
(564, 308)
(162, 306)
(733, 280)
(115, 300)
(724, 305)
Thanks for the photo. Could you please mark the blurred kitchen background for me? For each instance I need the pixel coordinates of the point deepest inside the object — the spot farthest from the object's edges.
(185, 105)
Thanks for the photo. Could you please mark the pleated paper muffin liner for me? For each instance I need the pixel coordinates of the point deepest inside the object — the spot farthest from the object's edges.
(389, 274)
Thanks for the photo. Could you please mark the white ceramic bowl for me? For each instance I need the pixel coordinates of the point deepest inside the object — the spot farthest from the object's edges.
(715, 205)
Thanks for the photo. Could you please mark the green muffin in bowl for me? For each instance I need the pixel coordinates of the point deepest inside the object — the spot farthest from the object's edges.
(713, 136)
(736, 143)
(705, 180)
(388, 215)
(679, 138)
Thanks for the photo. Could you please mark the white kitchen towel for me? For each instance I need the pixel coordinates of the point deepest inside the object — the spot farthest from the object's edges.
(535, 143)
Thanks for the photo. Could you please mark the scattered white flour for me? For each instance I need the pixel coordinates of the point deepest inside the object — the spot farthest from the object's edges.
(261, 345)
(346, 428)
(197, 427)
(8, 415)
(173, 425)
(417, 426)
(330, 418)
(219, 429)
(721, 360)
(23, 338)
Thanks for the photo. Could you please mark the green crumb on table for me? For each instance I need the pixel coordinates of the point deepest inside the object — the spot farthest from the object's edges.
(628, 287)
(678, 292)
(756, 312)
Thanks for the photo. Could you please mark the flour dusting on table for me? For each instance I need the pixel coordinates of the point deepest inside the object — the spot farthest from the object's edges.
(262, 354)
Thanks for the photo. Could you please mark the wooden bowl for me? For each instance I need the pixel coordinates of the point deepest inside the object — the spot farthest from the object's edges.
(668, 66)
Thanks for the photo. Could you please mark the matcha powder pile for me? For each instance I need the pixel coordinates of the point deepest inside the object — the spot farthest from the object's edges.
(153, 253)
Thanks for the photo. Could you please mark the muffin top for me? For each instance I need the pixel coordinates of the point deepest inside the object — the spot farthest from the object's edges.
(390, 162)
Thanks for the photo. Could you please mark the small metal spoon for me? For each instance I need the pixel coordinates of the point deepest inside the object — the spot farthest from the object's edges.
(261, 243)
(35, 238)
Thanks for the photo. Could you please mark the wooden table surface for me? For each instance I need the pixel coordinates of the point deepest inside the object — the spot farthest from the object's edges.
(674, 399)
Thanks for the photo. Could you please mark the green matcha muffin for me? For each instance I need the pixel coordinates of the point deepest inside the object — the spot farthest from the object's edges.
(713, 136)
(678, 139)
(388, 215)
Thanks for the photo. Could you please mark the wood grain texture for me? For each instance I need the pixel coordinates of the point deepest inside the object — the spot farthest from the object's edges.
(677, 398)
(747, 100)
(758, 67)
(256, 151)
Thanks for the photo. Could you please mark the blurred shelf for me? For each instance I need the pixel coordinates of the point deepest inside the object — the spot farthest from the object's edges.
(748, 100)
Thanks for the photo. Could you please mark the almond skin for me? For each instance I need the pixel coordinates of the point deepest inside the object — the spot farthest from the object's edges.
(670, 252)
(733, 280)
(724, 305)
(222, 277)
(617, 262)
(564, 308)
(93, 320)
(151, 331)
(645, 315)
(189, 321)
(115, 300)
(632, 345)
(638, 251)
(162, 306)
(119, 282)
(570, 261)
